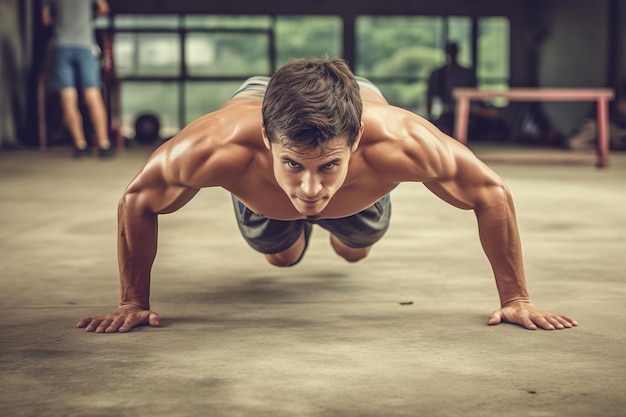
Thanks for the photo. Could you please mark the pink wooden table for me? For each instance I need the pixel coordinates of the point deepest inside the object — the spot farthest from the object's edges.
(600, 95)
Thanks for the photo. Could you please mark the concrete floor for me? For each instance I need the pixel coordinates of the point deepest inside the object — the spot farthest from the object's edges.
(325, 338)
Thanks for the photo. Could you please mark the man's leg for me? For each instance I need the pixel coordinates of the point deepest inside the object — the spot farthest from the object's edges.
(72, 117)
(98, 115)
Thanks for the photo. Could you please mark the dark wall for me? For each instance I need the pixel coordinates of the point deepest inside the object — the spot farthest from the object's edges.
(344, 7)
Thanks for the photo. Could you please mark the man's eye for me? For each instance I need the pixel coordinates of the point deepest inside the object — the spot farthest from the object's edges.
(292, 164)
(329, 165)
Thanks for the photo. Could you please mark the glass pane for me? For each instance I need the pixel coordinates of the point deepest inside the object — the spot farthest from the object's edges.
(205, 97)
(409, 46)
(227, 22)
(299, 36)
(124, 54)
(493, 48)
(158, 98)
(460, 31)
(101, 22)
(145, 21)
(232, 54)
(147, 54)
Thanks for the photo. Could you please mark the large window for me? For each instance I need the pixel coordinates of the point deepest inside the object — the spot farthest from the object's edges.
(181, 67)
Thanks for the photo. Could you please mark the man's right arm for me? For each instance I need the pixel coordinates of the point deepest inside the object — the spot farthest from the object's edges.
(152, 192)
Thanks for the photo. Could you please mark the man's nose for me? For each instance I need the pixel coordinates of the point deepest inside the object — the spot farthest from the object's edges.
(311, 184)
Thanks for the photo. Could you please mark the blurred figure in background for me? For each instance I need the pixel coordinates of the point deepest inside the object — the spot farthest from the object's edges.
(485, 121)
(76, 67)
(586, 136)
(12, 81)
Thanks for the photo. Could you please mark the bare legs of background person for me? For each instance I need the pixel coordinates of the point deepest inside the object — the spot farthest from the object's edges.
(74, 120)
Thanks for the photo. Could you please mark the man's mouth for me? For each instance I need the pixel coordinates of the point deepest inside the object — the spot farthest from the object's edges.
(306, 201)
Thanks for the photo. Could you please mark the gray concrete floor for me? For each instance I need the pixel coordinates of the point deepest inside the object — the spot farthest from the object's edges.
(325, 338)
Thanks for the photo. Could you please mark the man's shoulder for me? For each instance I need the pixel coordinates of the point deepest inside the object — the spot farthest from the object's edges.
(215, 145)
(237, 121)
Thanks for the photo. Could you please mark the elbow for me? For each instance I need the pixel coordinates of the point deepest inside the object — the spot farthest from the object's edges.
(123, 205)
(495, 195)
(130, 204)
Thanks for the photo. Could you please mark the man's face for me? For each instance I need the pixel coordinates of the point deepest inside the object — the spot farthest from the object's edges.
(310, 178)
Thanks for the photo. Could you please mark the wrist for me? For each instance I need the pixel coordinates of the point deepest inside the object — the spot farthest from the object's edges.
(135, 305)
(524, 300)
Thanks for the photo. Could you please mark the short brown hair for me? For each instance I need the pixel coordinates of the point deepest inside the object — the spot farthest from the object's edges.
(311, 101)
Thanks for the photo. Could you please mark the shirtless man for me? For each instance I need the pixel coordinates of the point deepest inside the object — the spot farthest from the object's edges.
(314, 146)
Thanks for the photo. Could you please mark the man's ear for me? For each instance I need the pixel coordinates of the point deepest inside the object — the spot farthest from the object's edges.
(358, 138)
(266, 141)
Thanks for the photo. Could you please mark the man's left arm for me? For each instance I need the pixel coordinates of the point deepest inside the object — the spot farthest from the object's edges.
(473, 185)
(499, 236)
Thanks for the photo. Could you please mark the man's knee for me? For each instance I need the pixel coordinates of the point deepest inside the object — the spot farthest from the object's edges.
(281, 260)
(348, 253)
(293, 254)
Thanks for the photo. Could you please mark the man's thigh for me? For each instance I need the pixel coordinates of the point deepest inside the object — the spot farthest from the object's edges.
(267, 236)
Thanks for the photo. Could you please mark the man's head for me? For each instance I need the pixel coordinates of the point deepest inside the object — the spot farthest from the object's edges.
(311, 101)
(312, 122)
(452, 50)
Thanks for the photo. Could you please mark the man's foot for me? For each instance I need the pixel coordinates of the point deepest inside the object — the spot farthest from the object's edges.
(80, 152)
(106, 152)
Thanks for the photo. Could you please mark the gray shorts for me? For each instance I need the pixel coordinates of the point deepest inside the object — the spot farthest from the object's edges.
(254, 87)
(272, 236)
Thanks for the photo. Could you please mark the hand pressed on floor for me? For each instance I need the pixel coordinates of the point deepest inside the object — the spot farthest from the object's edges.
(122, 320)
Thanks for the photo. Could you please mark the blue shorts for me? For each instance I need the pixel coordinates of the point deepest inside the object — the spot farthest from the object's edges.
(272, 236)
(75, 66)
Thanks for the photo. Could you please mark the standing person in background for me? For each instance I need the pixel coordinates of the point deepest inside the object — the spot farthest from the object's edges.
(441, 83)
(76, 67)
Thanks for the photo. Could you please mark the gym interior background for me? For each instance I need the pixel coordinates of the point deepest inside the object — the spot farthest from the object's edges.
(166, 63)
(400, 334)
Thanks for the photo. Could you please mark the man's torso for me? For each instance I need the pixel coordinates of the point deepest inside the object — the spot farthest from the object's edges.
(228, 151)
(73, 24)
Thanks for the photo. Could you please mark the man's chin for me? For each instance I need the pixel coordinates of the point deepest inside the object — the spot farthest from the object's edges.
(309, 209)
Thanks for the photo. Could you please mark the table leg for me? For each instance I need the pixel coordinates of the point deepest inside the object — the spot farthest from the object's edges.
(602, 150)
(461, 119)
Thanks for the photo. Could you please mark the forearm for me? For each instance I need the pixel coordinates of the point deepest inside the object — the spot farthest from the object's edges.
(137, 246)
(500, 239)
